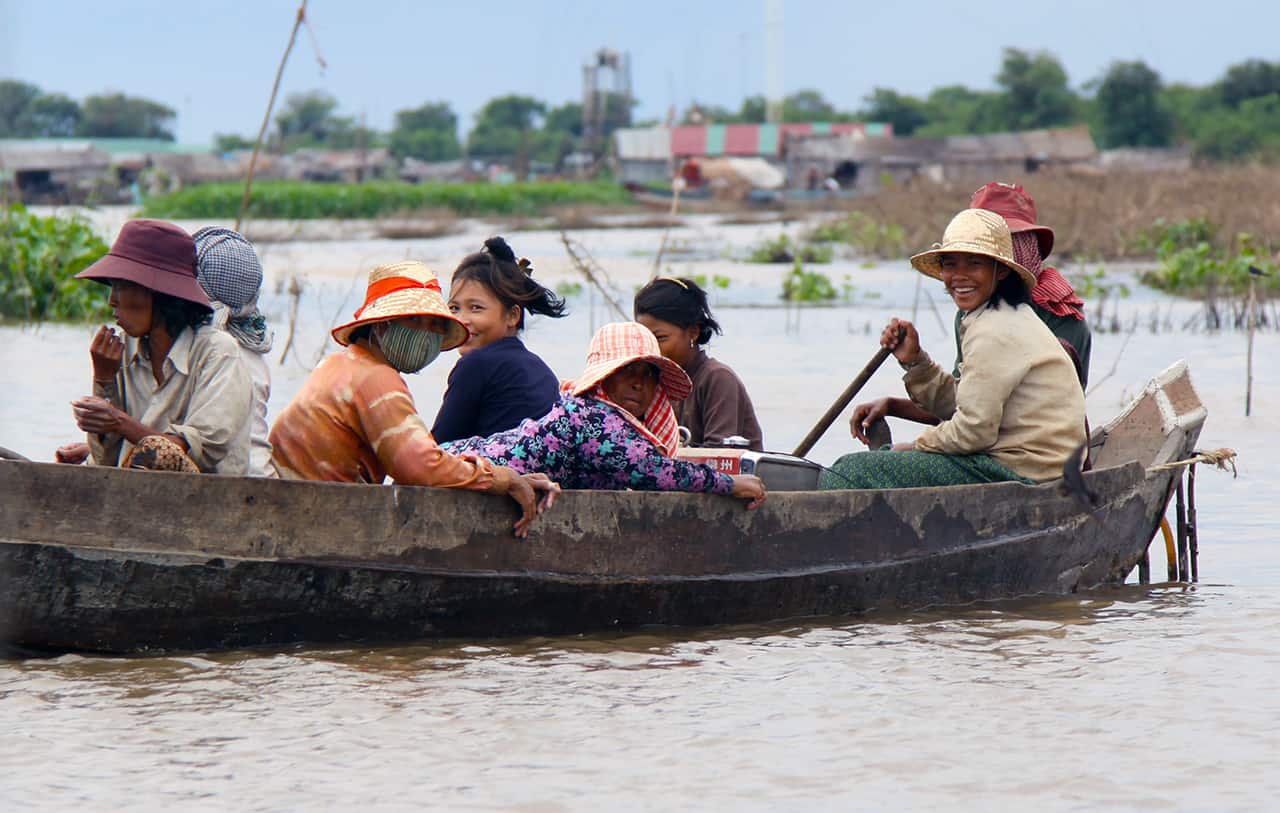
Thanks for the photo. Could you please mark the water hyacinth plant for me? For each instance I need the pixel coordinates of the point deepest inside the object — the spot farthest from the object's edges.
(39, 258)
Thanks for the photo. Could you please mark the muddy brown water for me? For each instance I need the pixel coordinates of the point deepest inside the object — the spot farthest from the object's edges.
(1159, 698)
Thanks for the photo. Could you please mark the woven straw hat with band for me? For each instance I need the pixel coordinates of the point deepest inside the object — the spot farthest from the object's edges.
(406, 288)
(616, 345)
(974, 231)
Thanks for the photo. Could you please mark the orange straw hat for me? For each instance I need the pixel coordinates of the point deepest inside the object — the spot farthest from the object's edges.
(406, 288)
(618, 344)
(974, 231)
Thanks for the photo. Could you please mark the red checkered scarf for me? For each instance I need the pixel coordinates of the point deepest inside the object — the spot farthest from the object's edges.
(1052, 291)
(659, 426)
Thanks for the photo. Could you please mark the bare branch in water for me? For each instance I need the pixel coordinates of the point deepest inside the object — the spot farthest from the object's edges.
(589, 268)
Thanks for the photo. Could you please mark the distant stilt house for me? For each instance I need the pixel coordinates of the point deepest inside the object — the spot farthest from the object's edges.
(49, 171)
(865, 165)
(345, 166)
(654, 155)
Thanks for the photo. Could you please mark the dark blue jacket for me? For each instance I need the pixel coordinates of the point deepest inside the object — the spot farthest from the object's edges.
(493, 389)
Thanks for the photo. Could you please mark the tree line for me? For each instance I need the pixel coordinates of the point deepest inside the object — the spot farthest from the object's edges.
(1236, 117)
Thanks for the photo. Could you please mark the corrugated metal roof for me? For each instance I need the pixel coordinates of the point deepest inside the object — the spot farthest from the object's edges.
(643, 144)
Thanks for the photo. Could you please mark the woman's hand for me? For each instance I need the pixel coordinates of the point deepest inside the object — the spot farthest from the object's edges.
(96, 415)
(866, 414)
(901, 337)
(73, 453)
(107, 352)
(748, 487)
(524, 489)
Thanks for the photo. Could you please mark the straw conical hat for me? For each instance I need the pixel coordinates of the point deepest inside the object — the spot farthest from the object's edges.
(974, 231)
(406, 288)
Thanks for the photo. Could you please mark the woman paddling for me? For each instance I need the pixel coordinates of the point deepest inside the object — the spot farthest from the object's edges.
(171, 394)
(614, 427)
(718, 407)
(354, 420)
(1017, 410)
(497, 383)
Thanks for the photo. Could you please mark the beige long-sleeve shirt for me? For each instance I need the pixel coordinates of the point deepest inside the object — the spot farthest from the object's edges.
(205, 398)
(1017, 399)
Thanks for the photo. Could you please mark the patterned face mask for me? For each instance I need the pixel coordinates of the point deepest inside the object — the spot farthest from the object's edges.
(409, 349)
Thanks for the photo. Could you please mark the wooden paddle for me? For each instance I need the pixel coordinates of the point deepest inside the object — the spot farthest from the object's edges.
(833, 412)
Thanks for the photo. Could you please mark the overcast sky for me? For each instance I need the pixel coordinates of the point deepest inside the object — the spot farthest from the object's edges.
(213, 62)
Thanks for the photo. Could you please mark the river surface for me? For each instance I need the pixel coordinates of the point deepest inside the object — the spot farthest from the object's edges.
(1159, 698)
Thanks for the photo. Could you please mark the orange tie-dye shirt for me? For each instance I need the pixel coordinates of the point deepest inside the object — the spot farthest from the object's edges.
(354, 421)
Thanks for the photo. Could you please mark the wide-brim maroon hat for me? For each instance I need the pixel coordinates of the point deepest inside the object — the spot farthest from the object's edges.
(157, 255)
(1012, 202)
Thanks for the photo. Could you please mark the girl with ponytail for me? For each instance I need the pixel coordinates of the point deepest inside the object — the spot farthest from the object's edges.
(497, 383)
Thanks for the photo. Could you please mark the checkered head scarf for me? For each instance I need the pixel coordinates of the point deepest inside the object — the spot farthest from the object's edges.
(230, 272)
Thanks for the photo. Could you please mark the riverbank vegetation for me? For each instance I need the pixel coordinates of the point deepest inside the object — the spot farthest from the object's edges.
(1094, 215)
(39, 258)
(294, 200)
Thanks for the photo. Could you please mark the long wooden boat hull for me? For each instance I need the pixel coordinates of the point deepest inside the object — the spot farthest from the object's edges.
(98, 559)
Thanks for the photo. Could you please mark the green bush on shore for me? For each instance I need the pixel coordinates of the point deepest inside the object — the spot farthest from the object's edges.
(298, 200)
(39, 258)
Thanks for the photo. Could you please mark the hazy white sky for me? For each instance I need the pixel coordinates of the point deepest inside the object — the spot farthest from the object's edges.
(213, 62)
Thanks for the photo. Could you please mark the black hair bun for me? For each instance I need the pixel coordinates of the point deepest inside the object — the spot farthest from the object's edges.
(499, 249)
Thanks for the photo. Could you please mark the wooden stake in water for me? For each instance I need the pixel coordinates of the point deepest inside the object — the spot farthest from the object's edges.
(1251, 323)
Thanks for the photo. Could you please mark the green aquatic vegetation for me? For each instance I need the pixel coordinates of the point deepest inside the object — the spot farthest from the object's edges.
(802, 285)
(866, 235)
(782, 249)
(39, 258)
(298, 200)
(568, 289)
(1191, 263)
(716, 281)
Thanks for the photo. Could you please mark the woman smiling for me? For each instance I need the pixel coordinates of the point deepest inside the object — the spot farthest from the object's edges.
(614, 427)
(1015, 413)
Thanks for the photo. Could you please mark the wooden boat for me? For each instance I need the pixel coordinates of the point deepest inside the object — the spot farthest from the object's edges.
(100, 559)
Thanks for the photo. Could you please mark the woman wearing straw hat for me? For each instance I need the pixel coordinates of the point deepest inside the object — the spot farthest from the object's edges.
(614, 427)
(1017, 410)
(354, 420)
(171, 394)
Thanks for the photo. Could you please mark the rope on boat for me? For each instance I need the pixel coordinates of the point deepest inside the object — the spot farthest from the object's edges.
(1223, 459)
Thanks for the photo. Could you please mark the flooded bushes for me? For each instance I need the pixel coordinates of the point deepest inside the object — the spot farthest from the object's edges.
(802, 285)
(296, 200)
(867, 236)
(782, 249)
(39, 256)
(1194, 262)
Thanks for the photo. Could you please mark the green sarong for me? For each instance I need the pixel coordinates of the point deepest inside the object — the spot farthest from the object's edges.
(885, 469)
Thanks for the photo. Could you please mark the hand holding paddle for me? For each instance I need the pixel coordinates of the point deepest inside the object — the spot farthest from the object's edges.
(899, 338)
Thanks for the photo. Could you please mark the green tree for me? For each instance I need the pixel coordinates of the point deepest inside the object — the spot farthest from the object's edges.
(505, 128)
(1035, 90)
(16, 99)
(230, 142)
(958, 110)
(753, 110)
(1250, 79)
(115, 115)
(807, 105)
(1252, 130)
(309, 120)
(1129, 110)
(54, 115)
(904, 113)
(428, 133)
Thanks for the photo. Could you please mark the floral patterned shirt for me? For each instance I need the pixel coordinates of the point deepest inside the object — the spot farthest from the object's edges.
(584, 443)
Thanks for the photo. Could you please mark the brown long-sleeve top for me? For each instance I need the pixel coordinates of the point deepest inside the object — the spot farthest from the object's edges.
(718, 407)
(1017, 399)
(354, 421)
